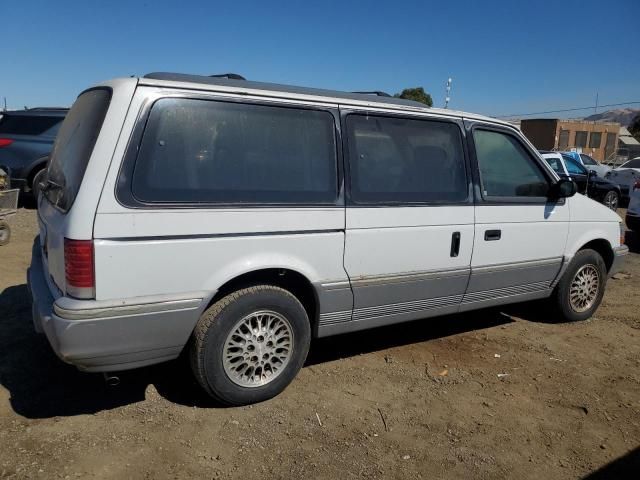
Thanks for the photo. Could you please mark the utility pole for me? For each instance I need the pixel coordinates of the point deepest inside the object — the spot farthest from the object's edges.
(595, 110)
(447, 96)
(5, 104)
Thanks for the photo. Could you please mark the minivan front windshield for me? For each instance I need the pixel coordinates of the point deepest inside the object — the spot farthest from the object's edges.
(73, 147)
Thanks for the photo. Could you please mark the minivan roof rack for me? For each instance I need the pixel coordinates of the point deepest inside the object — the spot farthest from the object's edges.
(273, 87)
(375, 92)
(231, 76)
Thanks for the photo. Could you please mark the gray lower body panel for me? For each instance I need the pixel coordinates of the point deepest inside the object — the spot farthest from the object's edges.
(97, 338)
(387, 300)
(489, 278)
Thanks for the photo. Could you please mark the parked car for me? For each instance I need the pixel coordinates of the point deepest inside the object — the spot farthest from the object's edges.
(633, 210)
(626, 176)
(237, 220)
(26, 139)
(589, 163)
(588, 181)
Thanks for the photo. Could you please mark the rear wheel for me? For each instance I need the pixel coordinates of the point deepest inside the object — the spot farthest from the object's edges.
(611, 200)
(5, 233)
(581, 288)
(248, 346)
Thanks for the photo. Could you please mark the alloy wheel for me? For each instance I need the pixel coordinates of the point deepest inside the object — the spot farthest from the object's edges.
(258, 349)
(611, 200)
(584, 288)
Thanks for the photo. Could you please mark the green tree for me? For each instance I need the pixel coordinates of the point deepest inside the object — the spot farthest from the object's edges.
(417, 94)
(634, 127)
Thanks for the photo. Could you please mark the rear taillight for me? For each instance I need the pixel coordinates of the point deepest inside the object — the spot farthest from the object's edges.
(636, 186)
(5, 142)
(78, 268)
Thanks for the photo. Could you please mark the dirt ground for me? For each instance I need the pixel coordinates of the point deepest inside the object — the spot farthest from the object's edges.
(489, 394)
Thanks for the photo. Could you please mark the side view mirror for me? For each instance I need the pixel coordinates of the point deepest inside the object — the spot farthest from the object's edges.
(563, 188)
(593, 173)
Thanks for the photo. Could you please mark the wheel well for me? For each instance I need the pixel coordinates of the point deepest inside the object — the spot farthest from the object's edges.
(603, 247)
(290, 280)
(34, 171)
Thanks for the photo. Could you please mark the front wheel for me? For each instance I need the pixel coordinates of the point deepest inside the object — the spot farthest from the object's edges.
(249, 345)
(580, 291)
(611, 200)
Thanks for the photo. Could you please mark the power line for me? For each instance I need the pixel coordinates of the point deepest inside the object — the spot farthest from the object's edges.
(566, 110)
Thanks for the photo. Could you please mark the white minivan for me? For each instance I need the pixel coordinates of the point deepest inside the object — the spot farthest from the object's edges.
(237, 220)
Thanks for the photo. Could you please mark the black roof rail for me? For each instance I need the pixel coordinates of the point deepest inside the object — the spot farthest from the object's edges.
(230, 76)
(45, 109)
(374, 92)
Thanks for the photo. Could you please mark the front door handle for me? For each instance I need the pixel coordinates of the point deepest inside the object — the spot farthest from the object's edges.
(491, 235)
(455, 244)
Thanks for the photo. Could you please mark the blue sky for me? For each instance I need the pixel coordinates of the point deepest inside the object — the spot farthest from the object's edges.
(504, 56)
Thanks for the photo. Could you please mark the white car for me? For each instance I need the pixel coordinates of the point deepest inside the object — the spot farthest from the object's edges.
(237, 220)
(633, 210)
(626, 175)
(592, 164)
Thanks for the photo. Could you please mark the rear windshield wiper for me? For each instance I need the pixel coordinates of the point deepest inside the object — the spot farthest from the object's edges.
(50, 185)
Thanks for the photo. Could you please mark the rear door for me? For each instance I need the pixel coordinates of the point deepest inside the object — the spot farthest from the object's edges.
(520, 235)
(409, 219)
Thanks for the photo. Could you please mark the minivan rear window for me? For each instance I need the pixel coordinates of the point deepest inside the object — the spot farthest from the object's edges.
(214, 152)
(73, 147)
(29, 125)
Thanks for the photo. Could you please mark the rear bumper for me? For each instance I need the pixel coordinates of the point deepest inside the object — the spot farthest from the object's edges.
(98, 337)
(619, 254)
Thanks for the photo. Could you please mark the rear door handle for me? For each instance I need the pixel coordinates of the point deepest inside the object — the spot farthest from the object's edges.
(491, 235)
(455, 244)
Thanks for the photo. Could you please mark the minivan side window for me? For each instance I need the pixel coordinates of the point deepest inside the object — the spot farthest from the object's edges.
(216, 152)
(400, 160)
(506, 168)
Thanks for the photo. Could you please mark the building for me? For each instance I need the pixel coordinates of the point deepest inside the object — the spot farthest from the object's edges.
(597, 139)
(628, 147)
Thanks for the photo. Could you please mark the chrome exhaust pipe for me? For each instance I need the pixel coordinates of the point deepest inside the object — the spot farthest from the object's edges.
(111, 380)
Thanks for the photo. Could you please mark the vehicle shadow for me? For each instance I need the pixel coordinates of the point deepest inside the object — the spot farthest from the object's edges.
(625, 467)
(39, 383)
(42, 386)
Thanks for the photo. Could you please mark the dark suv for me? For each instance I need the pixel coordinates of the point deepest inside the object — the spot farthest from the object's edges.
(26, 139)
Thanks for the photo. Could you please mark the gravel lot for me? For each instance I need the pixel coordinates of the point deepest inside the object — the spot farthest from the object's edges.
(489, 394)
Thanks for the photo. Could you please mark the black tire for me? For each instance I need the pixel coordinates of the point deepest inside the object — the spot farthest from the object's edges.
(611, 200)
(561, 295)
(217, 324)
(35, 183)
(5, 233)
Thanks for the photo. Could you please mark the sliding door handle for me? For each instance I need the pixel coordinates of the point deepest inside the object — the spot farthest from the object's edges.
(491, 235)
(455, 244)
